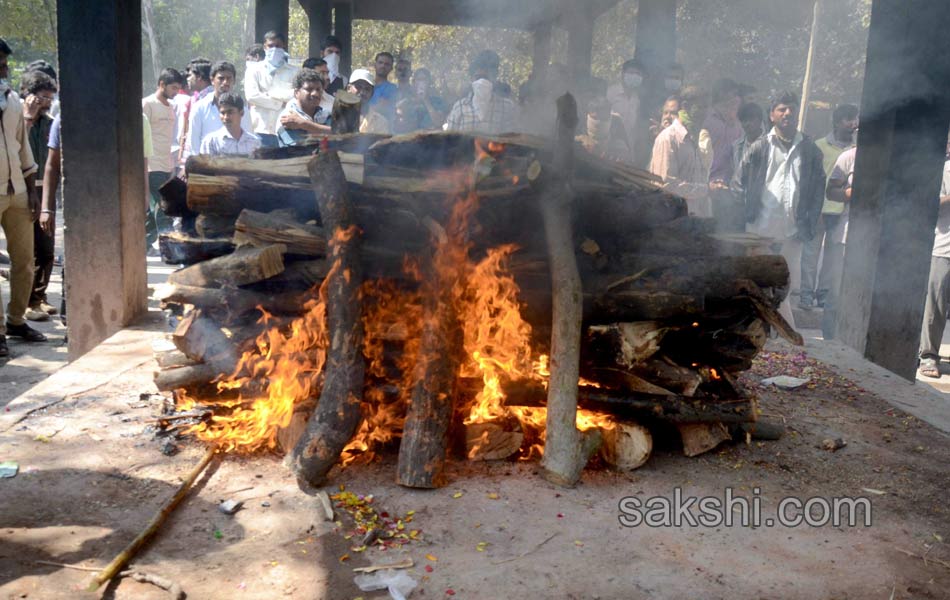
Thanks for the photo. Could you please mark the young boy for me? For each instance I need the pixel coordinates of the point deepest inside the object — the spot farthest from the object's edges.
(231, 139)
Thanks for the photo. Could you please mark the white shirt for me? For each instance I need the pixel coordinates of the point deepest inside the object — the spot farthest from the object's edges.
(222, 142)
(205, 120)
(161, 119)
(780, 197)
(267, 91)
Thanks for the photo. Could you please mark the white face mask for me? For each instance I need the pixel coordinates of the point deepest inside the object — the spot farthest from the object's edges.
(333, 63)
(633, 80)
(673, 85)
(277, 57)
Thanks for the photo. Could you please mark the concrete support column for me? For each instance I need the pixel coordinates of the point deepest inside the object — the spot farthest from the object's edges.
(271, 15)
(655, 48)
(104, 180)
(580, 48)
(541, 55)
(320, 14)
(343, 29)
(905, 113)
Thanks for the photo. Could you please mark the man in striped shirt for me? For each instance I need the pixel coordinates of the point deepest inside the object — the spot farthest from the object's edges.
(483, 109)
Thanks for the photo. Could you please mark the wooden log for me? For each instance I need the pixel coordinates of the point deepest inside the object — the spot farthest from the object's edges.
(170, 359)
(699, 438)
(566, 450)
(627, 343)
(345, 115)
(493, 440)
(634, 406)
(215, 226)
(425, 433)
(181, 249)
(627, 445)
(200, 338)
(262, 229)
(337, 416)
(185, 377)
(229, 303)
(244, 266)
(174, 198)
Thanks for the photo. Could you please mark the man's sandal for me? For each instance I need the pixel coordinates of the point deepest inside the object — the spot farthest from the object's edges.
(930, 368)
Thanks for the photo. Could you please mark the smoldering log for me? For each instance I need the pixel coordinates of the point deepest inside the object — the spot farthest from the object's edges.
(180, 249)
(566, 450)
(215, 226)
(201, 339)
(699, 438)
(627, 445)
(635, 406)
(188, 376)
(337, 416)
(244, 266)
(262, 229)
(425, 433)
(228, 303)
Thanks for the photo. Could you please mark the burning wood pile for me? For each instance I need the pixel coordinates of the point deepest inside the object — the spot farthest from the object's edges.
(365, 292)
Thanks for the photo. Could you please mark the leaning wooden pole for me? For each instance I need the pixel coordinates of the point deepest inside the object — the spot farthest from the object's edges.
(337, 415)
(123, 558)
(566, 450)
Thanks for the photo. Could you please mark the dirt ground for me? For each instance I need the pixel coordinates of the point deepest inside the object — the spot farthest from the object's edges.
(91, 475)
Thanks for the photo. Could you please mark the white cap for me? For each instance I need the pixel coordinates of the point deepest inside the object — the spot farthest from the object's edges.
(363, 75)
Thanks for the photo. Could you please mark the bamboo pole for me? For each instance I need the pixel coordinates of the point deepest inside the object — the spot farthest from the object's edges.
(123, 558)
(806, 86)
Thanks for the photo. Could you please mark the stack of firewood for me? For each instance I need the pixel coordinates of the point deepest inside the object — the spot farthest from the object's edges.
(670, 311)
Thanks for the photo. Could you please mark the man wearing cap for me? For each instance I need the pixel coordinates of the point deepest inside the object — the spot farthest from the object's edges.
(362, 83)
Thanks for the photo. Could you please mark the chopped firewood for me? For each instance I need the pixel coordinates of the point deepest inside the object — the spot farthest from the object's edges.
(151, 529)
(497, 439)
(180, 249)
(629, 343)
(627, 445)
(201, 339)
(185, 377)
(702, 437)
(337, 416)
(170, 359)
(229, 303)
(215, 226)
(173, 200)
(261, 229)
(243, 266)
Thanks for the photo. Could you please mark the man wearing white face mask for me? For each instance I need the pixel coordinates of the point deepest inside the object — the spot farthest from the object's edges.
(268, 87)
(625, 101)
(332, 50)
(483, 110)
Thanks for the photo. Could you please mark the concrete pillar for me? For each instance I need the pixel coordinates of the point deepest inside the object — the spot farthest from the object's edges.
(541, 55)
(320, 15)
(905, 113)
(343, 29)
(580, 47)
(271, 15)
(655, 48)
(104, 181)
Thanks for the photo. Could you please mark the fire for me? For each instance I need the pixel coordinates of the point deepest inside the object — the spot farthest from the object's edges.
(496, 343)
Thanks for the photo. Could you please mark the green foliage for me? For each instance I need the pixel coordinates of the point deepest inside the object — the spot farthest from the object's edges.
(30, 30)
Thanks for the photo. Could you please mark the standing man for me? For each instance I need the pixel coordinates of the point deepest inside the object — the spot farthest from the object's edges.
(781, 183)
(751, 117)
(231, 138)
(159, 110)
(205, 118)
(38, 91)
(721, 131)
(938, 289)
(676, 157)
(624, 100)
(332, 49)
(841, 138)
(483, 110)
(385, 92)
(199, 82)
(269, 86)
(308, 113)
(18, 207)
(403, 78)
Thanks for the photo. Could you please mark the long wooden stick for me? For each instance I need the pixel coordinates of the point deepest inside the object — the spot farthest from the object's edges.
(123, 558)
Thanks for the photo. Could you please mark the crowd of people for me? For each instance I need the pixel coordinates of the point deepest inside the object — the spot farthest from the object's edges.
(747, 168)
